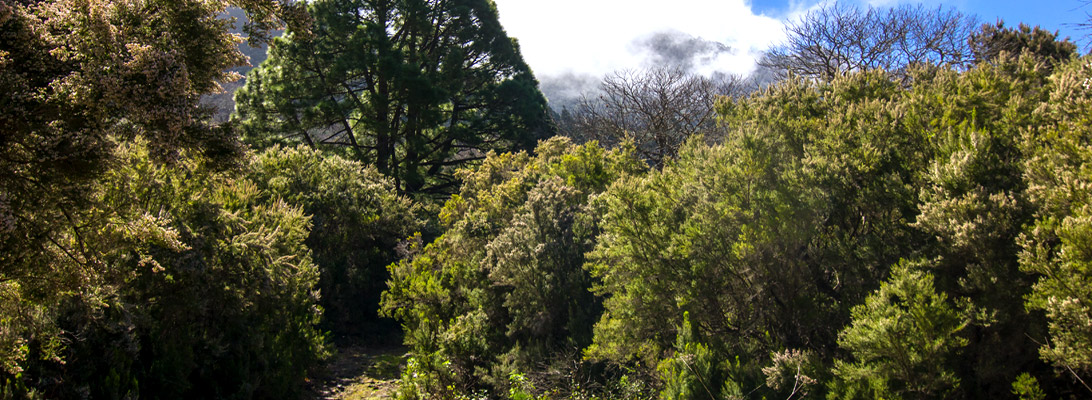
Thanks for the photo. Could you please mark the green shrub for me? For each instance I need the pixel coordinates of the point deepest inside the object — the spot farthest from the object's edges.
(504, 288)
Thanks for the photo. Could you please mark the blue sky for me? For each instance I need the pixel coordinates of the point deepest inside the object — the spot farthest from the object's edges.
(1058, 15)
(596, 37)
(1055, 15)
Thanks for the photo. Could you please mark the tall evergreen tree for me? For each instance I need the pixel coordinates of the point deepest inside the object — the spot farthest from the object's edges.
(415, 87)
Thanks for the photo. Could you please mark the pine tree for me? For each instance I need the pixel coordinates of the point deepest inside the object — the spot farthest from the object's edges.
(416, 88)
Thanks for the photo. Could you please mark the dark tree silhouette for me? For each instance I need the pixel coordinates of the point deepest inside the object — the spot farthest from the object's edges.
(415, 87)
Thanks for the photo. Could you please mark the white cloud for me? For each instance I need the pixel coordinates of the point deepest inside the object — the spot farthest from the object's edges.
(596, 36)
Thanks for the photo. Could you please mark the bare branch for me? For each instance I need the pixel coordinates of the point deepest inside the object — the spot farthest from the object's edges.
(838, 38)
(658, 109)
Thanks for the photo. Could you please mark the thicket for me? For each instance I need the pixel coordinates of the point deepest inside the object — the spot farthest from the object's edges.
(145, 251)
(874, 236)
(357, 223)
(920, 233)
(503, 290)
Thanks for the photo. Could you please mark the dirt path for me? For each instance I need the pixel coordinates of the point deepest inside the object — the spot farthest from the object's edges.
(358, 373)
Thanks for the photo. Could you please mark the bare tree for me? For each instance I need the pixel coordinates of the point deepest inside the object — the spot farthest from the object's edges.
(1087, 24)
(837, 38)
(658, 109)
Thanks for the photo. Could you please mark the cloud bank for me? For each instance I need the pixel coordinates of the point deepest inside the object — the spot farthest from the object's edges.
(596, 37)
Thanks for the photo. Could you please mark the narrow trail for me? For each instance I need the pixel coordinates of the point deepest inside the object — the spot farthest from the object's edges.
(360, 373)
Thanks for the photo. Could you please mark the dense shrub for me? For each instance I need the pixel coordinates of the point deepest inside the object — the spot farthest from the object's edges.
(766, 240)
(357, 222)
(207, 290)
(504, 288)
(1057, 249)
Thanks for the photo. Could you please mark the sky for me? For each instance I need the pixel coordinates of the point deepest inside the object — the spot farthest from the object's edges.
(596, 37)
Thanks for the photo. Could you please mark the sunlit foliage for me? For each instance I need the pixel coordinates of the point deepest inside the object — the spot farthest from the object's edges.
(357, 224)
(504, 287)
